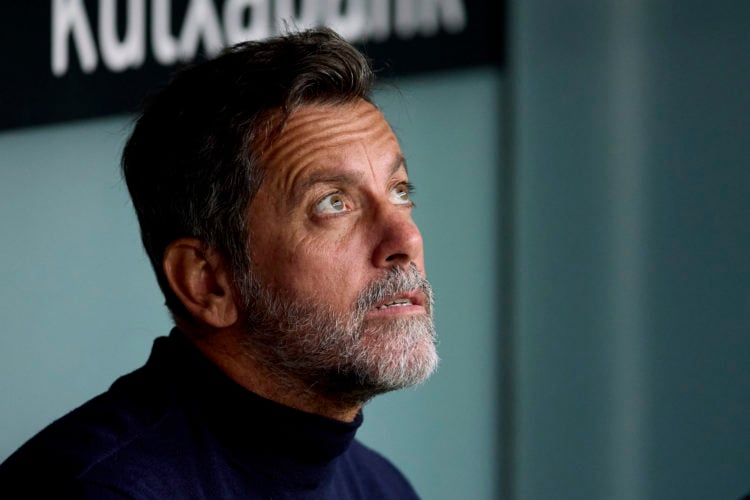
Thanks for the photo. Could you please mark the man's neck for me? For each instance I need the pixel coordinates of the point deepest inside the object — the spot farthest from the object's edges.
(253, 372)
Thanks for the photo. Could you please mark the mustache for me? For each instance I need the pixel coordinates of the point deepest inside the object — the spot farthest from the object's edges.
(395, 281)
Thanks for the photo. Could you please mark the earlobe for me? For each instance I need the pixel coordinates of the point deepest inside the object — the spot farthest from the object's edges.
(200, 279)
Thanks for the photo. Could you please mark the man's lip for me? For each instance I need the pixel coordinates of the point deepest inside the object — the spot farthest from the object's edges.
(414, 297)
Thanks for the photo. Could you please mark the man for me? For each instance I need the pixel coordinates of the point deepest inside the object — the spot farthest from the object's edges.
(273, 200)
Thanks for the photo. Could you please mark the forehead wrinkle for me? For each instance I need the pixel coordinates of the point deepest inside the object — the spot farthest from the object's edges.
(333, 122)
(310, 115)
(292, 127)
(328, 137)
(326, 150)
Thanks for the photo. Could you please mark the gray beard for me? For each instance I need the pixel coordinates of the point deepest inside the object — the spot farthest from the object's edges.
(342, 355)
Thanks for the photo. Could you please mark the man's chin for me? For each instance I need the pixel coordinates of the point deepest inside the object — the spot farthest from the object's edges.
(394, 359)
(361, 383)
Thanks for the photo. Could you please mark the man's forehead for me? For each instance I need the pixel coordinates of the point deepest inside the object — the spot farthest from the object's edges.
(329, 125)
(315, 137)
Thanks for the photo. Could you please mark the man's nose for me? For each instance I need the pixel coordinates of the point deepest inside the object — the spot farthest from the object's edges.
(400, 241)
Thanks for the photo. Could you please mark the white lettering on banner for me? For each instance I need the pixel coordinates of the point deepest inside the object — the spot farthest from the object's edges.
(255, 29)
(131, 52)
(427, 16)
(69, 18)
(435, 13)
(406, 18)
(351, 23)
(163, 43)
(201, 22)
(380, 19)
(306, 17)
(240, 20)
(453, 17)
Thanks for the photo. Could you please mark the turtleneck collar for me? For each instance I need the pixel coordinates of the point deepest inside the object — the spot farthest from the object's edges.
(248, 425)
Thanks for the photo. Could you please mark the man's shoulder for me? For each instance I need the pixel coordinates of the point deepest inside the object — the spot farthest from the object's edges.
(109, 428)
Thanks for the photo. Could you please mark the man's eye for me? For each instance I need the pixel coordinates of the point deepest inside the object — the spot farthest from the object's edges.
(400, 194)
(331, 204)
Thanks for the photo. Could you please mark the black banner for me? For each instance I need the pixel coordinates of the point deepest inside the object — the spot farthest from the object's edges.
(69, 59)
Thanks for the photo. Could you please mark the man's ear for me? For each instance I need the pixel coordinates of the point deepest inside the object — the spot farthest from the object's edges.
(201, 280)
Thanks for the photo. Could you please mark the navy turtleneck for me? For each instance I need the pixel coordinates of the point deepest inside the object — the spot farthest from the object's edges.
(179, 428)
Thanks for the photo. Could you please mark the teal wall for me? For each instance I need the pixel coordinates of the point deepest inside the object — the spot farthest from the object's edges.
(79, 305)
(632, 276)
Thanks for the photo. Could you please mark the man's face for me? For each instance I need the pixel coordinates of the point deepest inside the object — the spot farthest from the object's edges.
(339, 294)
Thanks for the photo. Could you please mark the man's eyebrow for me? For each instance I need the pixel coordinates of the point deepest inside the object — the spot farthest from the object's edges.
(398, 163)
(323, 177)
(338, 177)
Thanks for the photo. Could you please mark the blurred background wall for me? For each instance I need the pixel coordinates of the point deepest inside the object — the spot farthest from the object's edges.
(632, 234)
(585, 213)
